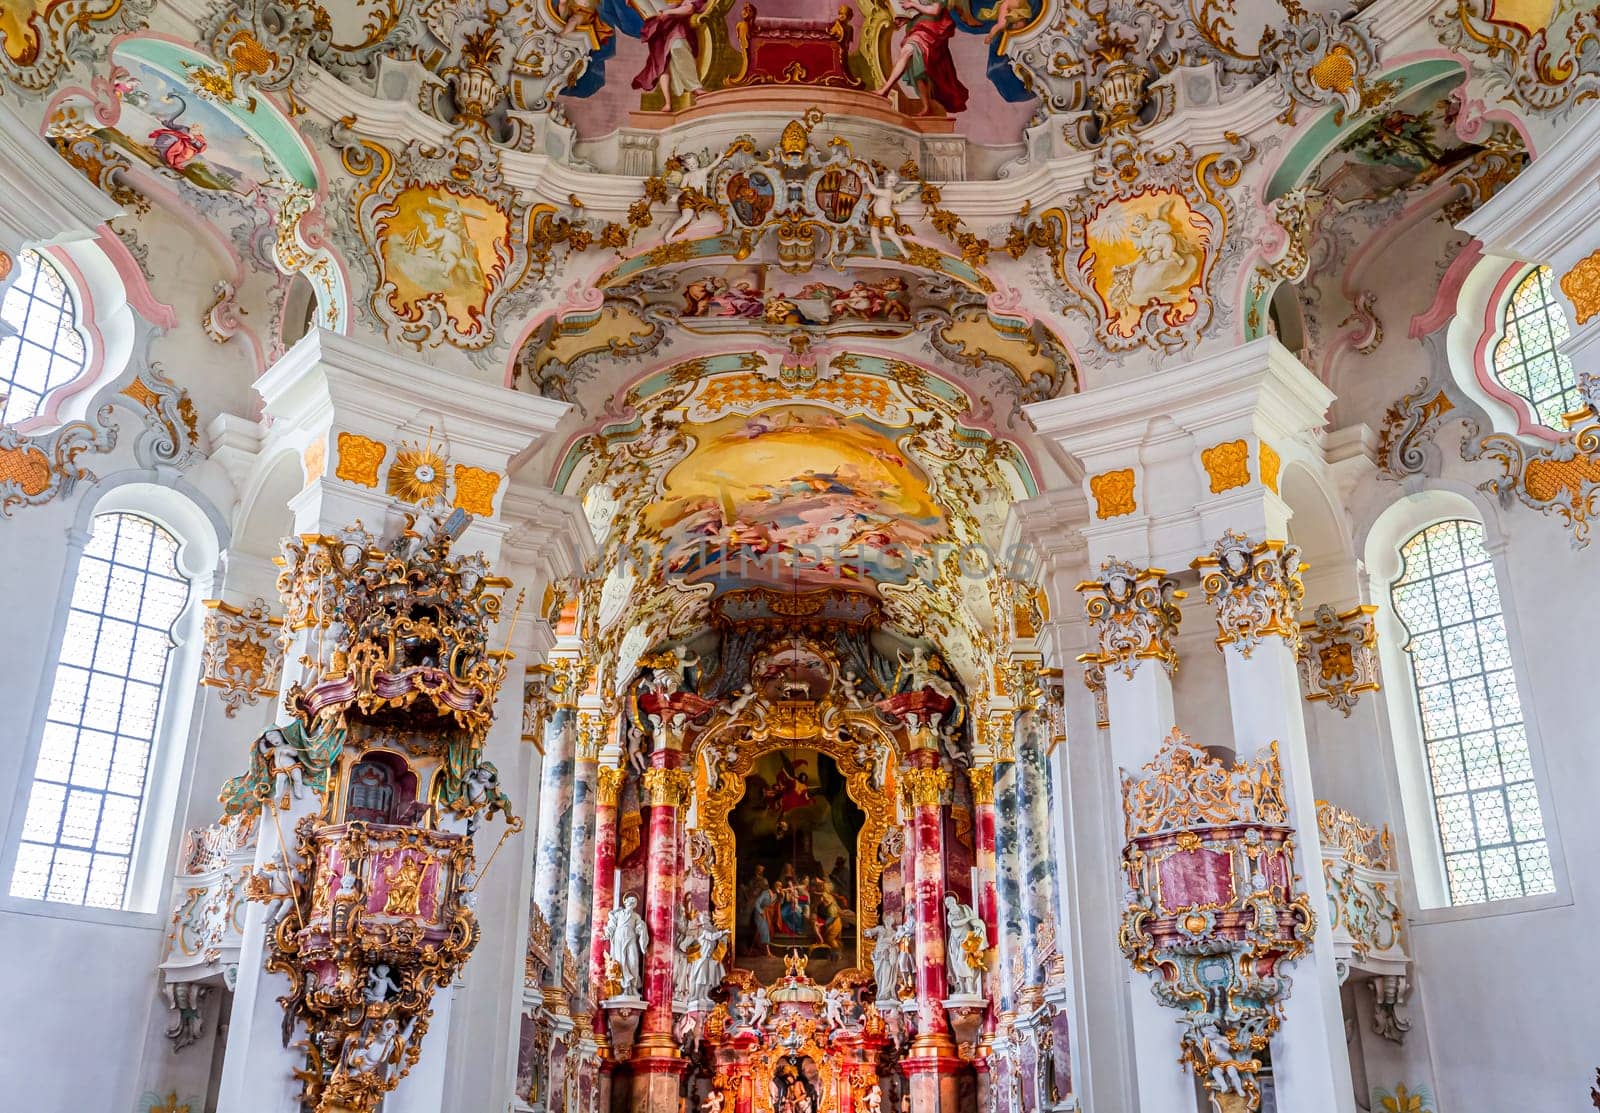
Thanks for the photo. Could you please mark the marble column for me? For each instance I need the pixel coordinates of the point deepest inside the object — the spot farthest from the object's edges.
(1256, 591)
(555, 818)
(608, 790)
(1008, 884)
(932, 1061)
(657, 1062)
(580, 852)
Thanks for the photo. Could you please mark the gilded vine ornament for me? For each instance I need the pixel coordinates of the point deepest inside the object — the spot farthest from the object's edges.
(1405, 439)
(1561, 478)
(1134, 615)
(41, 38)
(1324, 59)
(34, 469)
(1255, 589)
(1545, 69)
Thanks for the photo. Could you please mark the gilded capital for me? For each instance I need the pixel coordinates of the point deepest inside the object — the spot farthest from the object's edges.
(926, 788)
(1134, 615)
(1255, 589)
(608, 786)
(665, 787)
(981, 779)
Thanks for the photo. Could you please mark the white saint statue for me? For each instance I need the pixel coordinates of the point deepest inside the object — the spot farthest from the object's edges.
(965, 941)
(885, 960)
(628, 937)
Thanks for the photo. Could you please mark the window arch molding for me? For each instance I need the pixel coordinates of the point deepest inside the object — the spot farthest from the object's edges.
(1391, 528)
(202, 534)
(1476, 329)
(104, 317)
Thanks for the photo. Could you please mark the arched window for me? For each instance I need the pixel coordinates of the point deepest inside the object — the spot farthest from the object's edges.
(89, 783)
(1480, 771)
(1526, 360)
(40, 345)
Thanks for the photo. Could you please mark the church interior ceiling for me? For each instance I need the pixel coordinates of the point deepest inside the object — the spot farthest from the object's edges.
(796, 279)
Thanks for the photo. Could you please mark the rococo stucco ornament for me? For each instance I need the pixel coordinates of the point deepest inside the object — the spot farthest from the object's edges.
(1134, 615)
(1256, 590)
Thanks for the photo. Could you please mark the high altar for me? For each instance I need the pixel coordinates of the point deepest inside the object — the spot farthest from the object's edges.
(793, 906)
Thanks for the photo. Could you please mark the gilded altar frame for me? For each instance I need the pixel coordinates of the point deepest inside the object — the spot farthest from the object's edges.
(817, 726)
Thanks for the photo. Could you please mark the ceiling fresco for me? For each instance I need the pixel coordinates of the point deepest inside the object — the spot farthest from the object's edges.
(704, 51)
(797, 269)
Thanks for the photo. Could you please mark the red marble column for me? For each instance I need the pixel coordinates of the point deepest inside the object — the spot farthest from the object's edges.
(657, 1061)
(932, 1062)
(986, 899)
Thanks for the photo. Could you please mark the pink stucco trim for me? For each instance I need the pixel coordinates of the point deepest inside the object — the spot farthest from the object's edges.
(1449, 293)
(140, 297)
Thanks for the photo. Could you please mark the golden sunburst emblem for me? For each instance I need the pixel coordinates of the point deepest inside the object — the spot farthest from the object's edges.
(418, 474)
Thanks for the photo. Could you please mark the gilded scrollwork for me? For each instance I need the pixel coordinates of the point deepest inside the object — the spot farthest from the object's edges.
(1339, 656)
(1134, 615)
(1255, 589)
(1546, 67)
(1140, 250)
(243, 654)
(36, 468)
(1561, 478)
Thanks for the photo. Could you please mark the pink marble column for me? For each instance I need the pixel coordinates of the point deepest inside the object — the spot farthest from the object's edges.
(608, 788)
(657, 1062)
(932, 1062)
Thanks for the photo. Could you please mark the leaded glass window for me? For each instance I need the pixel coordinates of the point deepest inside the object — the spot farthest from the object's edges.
(40, 347)
(1480, 774)
(89, 783)
(1526, 359)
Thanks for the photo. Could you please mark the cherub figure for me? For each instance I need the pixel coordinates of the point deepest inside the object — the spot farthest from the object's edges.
(881, 216)
(380, 984)
(836, 1002)
(282, 762)
(694, 190)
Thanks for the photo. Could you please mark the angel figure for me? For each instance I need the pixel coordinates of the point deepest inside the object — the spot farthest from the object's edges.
(282, 762)
(881, 216)
(380, 984)
(713, 1102)
(694, 190)
(1167, 259)
(372, 1053)
(714, 756)
(919, 671)
(757, 1007)
(281, 884)
(850, 688)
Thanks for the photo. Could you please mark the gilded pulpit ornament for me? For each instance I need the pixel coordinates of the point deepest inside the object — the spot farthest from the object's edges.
(1134, 615)
(1255, 588)
(1215, 907)
(1339, 656)
(371, 903)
